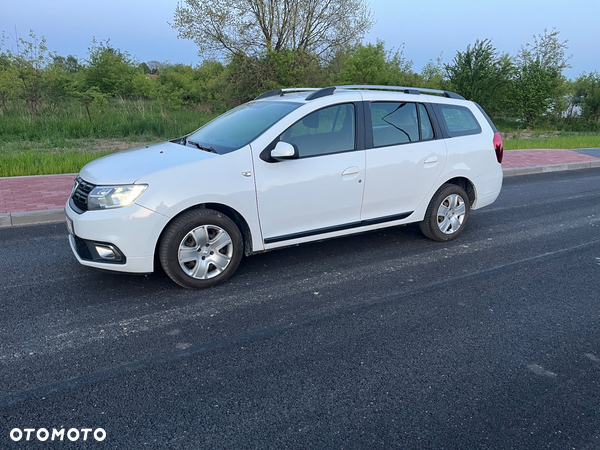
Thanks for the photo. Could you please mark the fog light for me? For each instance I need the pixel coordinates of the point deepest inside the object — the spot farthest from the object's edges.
(105, 252)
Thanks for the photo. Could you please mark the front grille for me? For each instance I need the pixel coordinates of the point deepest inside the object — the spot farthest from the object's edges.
(80, 196)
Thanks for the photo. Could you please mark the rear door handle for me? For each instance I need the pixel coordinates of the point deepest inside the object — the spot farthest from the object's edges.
(431, 160)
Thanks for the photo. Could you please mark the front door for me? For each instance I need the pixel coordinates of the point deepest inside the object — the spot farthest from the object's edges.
(322, 190)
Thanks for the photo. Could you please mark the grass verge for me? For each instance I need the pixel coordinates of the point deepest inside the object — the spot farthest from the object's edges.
(45, 163)
(65, 140)
(43, 158)
(551, 141)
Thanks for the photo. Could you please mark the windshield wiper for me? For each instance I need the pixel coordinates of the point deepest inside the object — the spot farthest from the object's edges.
(206, 149)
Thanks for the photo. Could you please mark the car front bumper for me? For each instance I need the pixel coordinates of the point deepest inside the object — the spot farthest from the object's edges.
(131, 233)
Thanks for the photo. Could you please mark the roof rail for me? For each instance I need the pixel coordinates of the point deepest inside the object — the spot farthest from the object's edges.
(272, 93)
(276, 92)
(318, 93)
(406, 90)
(321, 93)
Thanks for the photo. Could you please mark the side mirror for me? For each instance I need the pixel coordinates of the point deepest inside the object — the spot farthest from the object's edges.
(284, 150)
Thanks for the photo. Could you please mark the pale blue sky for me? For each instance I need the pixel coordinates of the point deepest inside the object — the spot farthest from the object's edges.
(427, 28)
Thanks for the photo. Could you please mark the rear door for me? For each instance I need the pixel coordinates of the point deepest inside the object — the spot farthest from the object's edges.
(404, 162)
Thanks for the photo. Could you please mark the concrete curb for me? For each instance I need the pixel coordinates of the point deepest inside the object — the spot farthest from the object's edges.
(36, 176)
(550, 168)
(32, 217)
(58, 215)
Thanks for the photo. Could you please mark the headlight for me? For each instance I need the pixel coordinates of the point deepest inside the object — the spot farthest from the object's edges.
(107, 197)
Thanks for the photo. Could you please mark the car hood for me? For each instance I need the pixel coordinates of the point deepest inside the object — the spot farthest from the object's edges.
(128, 166)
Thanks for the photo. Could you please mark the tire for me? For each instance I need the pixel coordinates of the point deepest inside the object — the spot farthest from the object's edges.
(447, 214)
(201, 249)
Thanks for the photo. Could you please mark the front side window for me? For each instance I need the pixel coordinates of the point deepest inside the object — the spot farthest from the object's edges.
(241, 125)
(329, 130)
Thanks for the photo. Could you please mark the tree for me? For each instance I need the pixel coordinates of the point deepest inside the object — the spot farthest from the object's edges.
(58, 84)
(110, 70)
(534, 86)
(289, 68)
(175, 85)
(10, 88)
(70, 64)
(433, 74)
(246, 78)
(373, 64)
(209, 85)
(92, 96)
(154, 66)
(547, 50)
(481, 74)
(255, 27)
(587, 96)
(539, 82)
(144, 68)
(29, 61)
(142, 86)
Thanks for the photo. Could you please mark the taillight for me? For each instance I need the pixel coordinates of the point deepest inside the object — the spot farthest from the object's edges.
(498, 146)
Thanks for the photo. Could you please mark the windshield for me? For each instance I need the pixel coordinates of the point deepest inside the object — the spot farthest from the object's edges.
(241, 125)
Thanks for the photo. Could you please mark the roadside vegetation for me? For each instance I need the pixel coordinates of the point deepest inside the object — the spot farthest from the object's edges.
(550, 140)
(59, 112)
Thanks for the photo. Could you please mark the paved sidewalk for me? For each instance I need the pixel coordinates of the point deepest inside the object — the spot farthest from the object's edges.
(35, 199)
(20, 194)
(526, 162)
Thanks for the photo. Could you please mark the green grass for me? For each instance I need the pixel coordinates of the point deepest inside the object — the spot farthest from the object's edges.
(45, 163)
(64, 140)
(556, 141)
(117, 120)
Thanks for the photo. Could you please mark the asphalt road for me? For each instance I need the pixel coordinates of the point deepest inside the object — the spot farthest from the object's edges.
(382, 340)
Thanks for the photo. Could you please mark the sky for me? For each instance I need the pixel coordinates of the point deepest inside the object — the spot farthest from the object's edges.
(427, 29)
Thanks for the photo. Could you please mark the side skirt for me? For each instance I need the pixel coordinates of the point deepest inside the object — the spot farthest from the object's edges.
(347, 226)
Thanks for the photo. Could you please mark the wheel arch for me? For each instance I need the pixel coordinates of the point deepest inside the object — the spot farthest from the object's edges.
(228, 211)
(467, 185)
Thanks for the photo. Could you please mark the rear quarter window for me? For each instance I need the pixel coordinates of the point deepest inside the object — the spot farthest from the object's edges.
(458, 120)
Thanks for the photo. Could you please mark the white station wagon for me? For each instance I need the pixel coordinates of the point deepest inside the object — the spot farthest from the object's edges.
(292, 166)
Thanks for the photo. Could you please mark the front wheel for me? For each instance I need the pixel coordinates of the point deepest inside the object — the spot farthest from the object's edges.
(447, 214)
(201, 249)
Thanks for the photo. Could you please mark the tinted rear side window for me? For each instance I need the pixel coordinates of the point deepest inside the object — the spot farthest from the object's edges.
(459, 120)
(487, 118)
(426, 127)
(394, 123)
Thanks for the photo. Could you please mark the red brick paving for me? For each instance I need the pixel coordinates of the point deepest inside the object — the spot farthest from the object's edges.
(532, 158)
(38, 193)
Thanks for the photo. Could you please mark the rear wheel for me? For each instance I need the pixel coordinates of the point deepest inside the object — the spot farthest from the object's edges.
(447, 214)
(201, 249)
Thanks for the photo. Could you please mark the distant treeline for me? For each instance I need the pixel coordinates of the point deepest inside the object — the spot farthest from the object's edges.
(528, 88)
